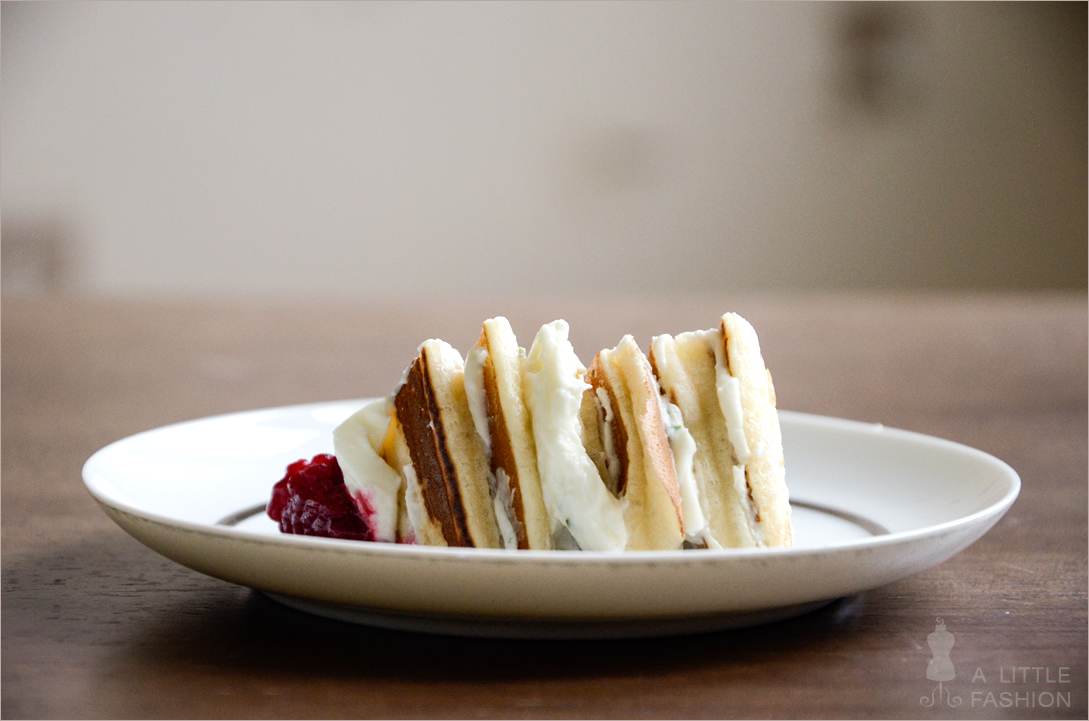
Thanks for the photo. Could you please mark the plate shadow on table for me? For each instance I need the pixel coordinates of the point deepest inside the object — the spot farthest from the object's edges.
(261, 635)
(123, 596)
(119, 620)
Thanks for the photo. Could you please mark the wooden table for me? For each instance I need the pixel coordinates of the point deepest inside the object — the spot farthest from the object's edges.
(97, 626)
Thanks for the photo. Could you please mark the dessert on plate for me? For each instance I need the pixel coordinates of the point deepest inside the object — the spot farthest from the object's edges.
(515, 449)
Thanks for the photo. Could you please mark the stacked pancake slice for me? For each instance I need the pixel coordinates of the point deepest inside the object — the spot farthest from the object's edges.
(723, 395)
(633, 445)
(532, 450)
(493, 379)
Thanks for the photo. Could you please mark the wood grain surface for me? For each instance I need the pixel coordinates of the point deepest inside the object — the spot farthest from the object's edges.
(94, 625)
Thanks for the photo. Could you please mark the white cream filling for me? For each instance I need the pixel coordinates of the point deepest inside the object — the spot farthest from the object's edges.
(573, 491)
(729, 398)
(694, 504)
(474, 391)
(505, 515)
(356, 444)
(693, 498)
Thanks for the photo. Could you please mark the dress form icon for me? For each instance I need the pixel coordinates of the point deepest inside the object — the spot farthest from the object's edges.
(940, 667)
(941, 642)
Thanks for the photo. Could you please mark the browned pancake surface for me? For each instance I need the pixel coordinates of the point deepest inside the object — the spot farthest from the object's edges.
(421, 423)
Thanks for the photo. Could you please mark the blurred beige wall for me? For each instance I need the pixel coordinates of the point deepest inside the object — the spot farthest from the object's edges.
(390, 149)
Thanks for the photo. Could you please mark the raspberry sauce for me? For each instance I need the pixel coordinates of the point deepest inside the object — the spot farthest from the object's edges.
(312, 500)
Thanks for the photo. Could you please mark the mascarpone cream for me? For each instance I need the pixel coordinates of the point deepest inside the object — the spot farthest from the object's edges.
(573, 491)
(369, 479)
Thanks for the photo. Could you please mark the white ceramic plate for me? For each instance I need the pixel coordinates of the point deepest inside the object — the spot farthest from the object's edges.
(871, 505)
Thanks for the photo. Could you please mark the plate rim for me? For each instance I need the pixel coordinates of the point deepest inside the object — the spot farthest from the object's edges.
(342, 546)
